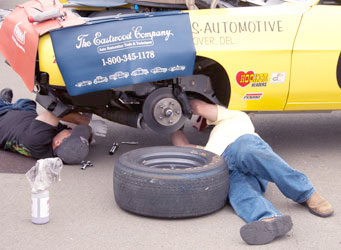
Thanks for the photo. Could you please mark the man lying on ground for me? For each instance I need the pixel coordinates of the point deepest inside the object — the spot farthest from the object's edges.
(23, 131)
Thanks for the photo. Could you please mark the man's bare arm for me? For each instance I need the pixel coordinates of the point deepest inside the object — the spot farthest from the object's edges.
(206, 110)
(76, 118)
(53, 120)
(179, 139)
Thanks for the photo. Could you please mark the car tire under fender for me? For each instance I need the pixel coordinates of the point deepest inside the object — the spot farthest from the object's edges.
(170, 182)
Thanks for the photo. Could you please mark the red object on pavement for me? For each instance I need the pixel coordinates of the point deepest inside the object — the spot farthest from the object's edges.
(19, 38)
(200, 123)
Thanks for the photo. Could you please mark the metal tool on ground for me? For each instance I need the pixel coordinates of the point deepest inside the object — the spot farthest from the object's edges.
(86, 164)
(130, 142)
(113, 148)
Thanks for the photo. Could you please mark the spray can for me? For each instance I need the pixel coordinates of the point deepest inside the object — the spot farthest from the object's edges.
(40, 207)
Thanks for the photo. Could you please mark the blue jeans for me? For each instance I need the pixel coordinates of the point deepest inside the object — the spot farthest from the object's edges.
(21, 104)
(252, 164)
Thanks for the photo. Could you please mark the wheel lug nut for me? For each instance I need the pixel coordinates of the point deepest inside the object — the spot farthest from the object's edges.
(168, 112)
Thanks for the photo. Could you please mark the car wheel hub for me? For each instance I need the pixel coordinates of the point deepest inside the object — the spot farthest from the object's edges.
(162, 112)
(167, 111)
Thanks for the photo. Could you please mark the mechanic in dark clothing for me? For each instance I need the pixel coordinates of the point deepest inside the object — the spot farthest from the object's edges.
(23, 131)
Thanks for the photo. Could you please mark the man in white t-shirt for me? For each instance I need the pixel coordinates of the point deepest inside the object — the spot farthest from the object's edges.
(252, 164)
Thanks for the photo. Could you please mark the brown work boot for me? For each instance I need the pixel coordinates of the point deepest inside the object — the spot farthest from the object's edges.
(317, 205)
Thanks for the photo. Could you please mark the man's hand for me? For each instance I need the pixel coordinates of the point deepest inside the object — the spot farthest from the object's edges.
(206, 110)
(99, 127)
(196, 104)
(179, 139)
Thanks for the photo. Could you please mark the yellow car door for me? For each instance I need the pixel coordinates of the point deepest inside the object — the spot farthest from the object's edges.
(254, 46)
(315, 76)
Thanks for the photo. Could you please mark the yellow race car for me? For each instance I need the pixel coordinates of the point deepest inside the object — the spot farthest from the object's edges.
(137, 62)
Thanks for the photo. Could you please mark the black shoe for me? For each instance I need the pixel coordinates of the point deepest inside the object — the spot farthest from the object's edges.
(6, 95)
(263, 232)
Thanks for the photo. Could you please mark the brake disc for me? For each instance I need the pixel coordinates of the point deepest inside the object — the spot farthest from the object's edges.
(162, 112)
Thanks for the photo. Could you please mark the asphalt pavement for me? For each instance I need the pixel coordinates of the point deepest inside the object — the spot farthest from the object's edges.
(84, 215)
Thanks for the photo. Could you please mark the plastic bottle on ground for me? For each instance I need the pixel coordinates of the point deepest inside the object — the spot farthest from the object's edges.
(40, 207)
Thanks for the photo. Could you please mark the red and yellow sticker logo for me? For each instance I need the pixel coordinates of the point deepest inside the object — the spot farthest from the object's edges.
(256, 80)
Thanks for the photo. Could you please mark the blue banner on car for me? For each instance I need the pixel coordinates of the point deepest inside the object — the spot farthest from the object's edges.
(116, 53)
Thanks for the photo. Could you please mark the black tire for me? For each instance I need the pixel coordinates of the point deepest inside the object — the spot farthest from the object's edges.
(170, 182)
